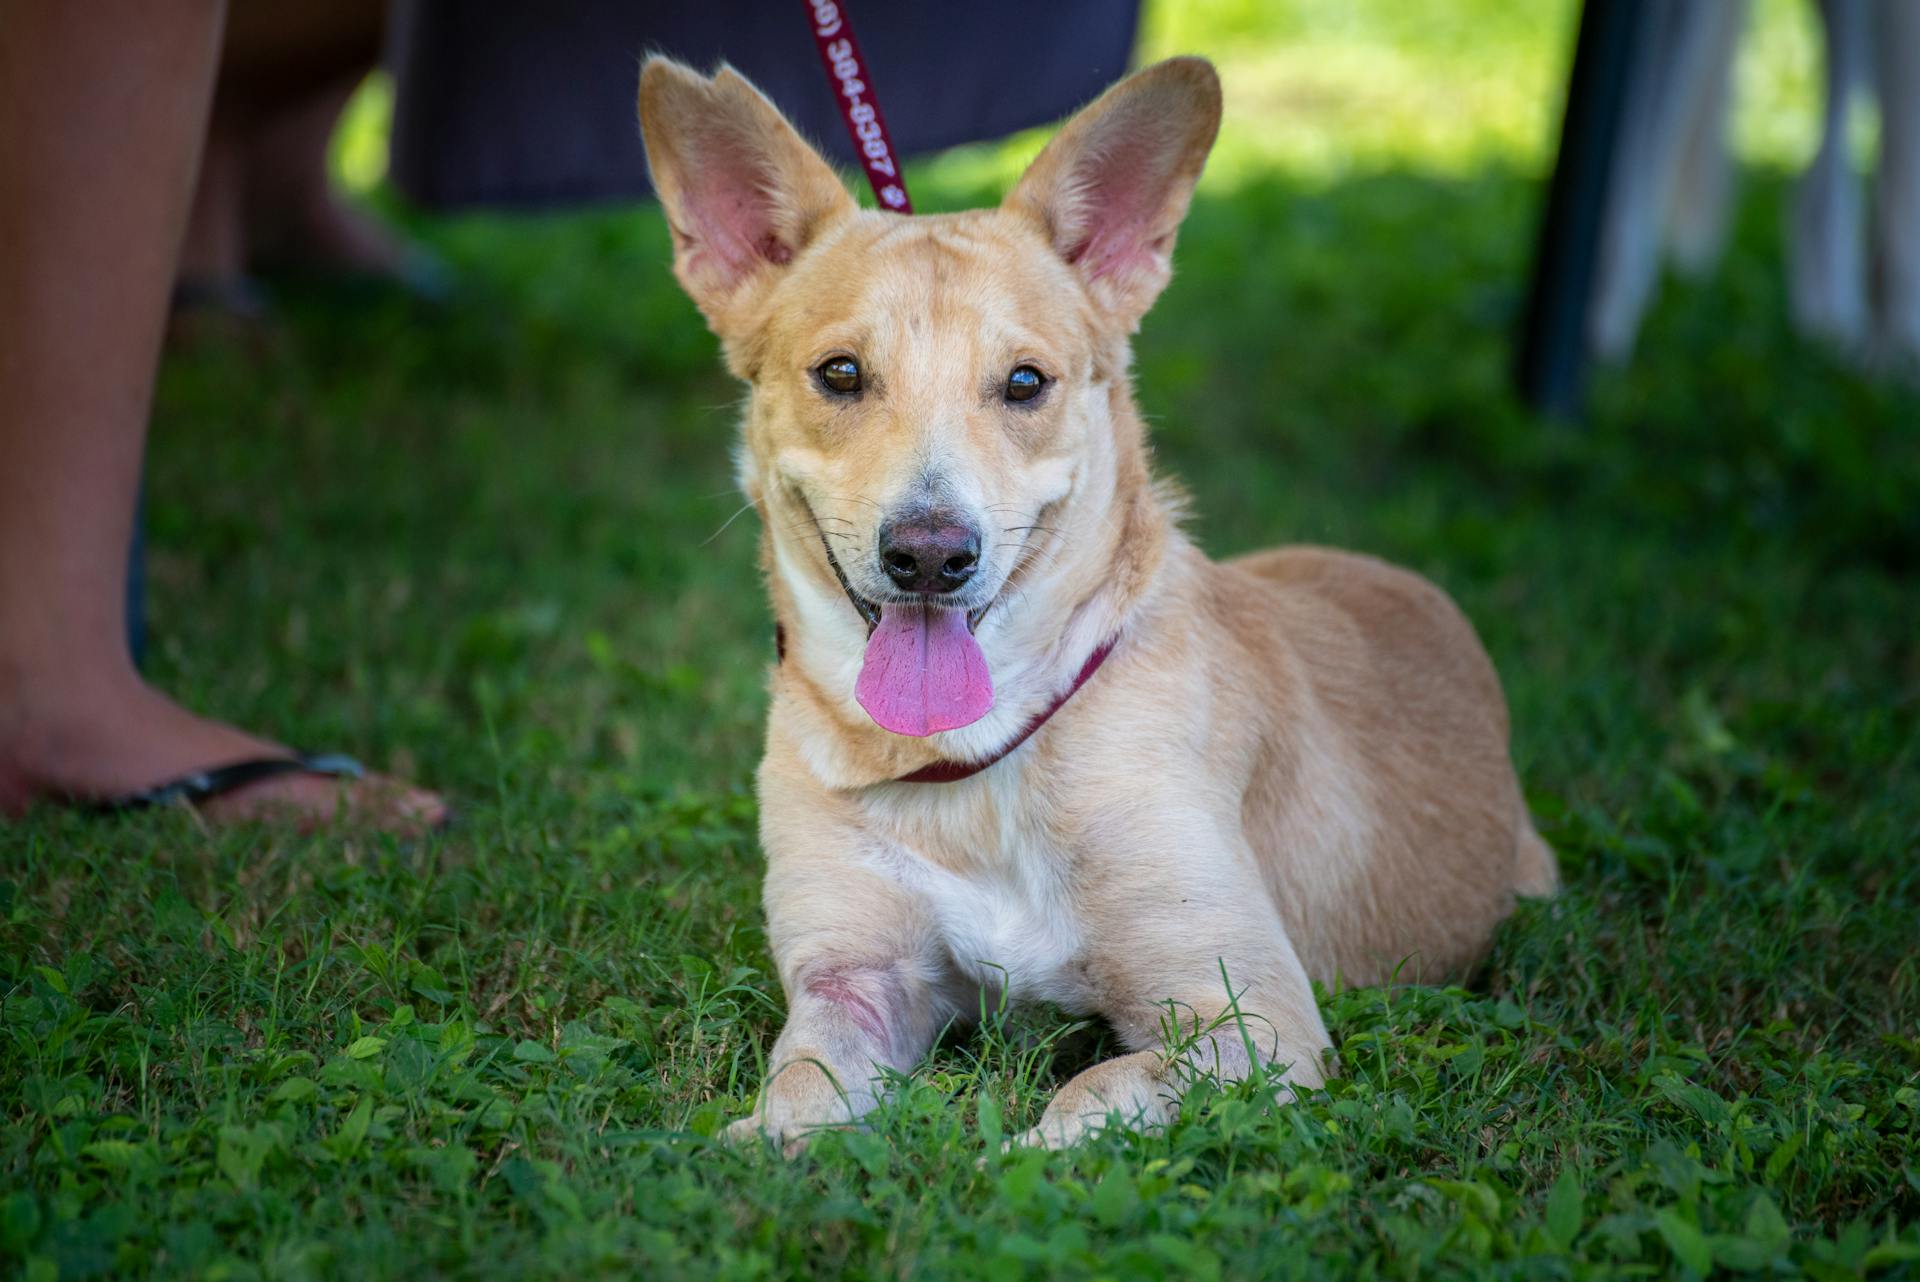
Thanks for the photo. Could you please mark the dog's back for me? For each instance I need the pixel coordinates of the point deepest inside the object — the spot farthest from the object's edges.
(1386, 810)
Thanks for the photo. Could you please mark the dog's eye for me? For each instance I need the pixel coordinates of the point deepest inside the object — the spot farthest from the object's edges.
(1025, 383)
(840, 374)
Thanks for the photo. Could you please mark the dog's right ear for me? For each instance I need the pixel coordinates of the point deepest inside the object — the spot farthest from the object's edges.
(743, 192)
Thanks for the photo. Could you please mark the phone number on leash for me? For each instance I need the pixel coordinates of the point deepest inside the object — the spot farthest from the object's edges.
(864, 117)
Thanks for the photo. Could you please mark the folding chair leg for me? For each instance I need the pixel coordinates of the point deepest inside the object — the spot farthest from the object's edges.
(1553, 336)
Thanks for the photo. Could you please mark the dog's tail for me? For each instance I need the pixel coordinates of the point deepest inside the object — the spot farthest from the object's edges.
(1536, 873)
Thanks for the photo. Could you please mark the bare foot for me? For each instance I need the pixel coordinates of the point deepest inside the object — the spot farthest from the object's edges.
(100, 743)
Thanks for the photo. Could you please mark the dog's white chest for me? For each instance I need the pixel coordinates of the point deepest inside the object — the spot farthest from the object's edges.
(1008, 919)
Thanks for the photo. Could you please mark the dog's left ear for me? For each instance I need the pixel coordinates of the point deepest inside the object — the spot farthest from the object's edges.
(1111, 188)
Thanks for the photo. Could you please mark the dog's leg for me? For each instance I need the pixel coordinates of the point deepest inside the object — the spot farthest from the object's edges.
(1218, 1039)
(865, 993)
(1196, 973)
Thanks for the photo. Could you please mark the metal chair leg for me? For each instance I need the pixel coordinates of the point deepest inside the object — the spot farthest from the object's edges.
(1551, 359)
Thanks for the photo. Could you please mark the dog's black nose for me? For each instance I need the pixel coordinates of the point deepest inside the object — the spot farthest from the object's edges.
(929, 554)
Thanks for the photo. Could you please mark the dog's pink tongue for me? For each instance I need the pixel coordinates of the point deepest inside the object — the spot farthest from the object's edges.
(923, 672)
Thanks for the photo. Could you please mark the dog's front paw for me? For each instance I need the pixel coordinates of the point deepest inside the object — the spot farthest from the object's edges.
(747, 1130)
(759, 1130)
(799, 1101)
(1049, 1137)
(1128, 1094)
(755, 1129)
(1064, 1129)
(789, 1136)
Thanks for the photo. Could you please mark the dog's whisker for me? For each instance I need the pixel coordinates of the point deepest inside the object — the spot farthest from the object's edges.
(744, 507)
(1029, 556)
(1030, 550)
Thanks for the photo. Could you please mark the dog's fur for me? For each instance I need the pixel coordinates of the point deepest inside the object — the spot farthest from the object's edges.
(1293, 764)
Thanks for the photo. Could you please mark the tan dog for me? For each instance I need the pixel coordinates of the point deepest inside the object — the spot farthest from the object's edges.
(1290, 765)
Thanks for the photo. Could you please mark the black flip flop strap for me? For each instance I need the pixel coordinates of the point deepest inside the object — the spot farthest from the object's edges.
(204, 785)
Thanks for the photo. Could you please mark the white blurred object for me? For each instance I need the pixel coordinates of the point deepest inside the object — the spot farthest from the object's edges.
(1826, 266)
(1669, 200)
(1672, 140)
(1896, 204)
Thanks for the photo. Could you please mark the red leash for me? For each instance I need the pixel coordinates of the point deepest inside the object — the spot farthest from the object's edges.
(954, 771)
(859, 108)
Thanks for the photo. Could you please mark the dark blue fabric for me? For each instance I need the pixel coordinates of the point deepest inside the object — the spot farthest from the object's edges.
(505, 103)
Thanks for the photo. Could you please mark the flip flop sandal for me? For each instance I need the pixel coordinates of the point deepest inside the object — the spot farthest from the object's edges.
(204, 785)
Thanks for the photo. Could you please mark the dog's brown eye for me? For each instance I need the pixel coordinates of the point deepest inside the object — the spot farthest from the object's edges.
(840, 374)
(1025, 383)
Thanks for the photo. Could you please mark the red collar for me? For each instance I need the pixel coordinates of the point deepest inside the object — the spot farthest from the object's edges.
(954, 771)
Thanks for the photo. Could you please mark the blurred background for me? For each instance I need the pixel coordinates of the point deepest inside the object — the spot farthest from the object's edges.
(508, 508)
(1324, 91)
(511, 509)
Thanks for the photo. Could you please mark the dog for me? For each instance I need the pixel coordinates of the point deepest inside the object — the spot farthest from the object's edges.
(1026, 742)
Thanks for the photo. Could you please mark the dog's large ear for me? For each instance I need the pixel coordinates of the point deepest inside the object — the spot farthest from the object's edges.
(1111, 188)
(742, 190)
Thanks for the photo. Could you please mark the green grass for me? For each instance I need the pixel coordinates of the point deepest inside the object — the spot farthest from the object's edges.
(487, 546)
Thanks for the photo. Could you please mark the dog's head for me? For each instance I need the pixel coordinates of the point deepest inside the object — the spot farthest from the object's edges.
(937, 403)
